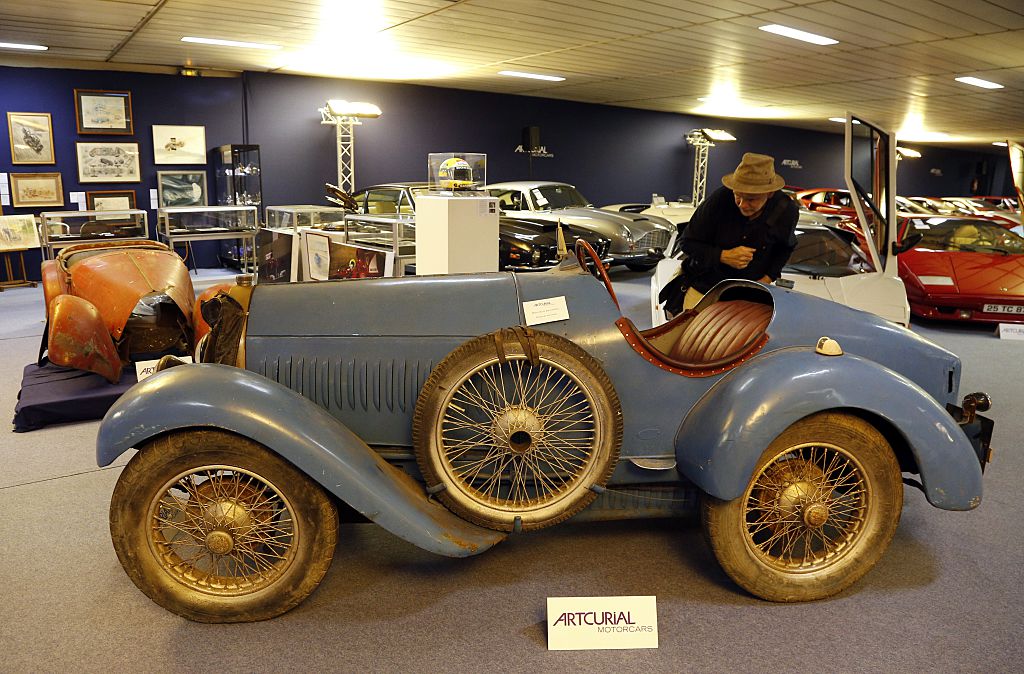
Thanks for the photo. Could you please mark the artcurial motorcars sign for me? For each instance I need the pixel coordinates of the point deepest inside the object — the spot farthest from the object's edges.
(585, 623)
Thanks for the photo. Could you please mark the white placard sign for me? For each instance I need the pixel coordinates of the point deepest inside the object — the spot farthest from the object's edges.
(601, 623)
(147, 368)
(1010, 331)
(547, 310)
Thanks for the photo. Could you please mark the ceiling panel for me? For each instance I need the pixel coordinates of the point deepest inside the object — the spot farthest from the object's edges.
(896, 59)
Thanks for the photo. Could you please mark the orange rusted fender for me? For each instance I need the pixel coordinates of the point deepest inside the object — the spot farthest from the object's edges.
(199, 325)
(54, 282)
(114, 281)
(78, 338)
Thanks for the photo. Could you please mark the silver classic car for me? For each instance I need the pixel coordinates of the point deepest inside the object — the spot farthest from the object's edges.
(638, 239)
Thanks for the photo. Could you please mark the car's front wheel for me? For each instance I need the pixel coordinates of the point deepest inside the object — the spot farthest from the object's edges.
(217, 528)
(820, 510)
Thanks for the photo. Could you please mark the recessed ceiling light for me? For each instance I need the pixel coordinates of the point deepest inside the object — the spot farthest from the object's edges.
(999, 143)
(842, 120)
(229, 43)
(15, 45)
(786, 31)
(531, 76)
(978, 82)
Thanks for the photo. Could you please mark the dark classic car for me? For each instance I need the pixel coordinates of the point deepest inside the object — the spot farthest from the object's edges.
(480, 405)
(638, 240)
(524, 244)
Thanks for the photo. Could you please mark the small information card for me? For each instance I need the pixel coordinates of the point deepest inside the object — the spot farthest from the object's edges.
(1010, 331)
(598, 623)
(547, 310)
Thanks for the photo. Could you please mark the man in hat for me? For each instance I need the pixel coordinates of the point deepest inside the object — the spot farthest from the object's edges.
(742, 230)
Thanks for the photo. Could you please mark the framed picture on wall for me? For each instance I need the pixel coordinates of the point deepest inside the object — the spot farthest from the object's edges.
(31, 137)
(181, 188)
(104, 112)
(110, 200)
(29, 190)
(108, 162)
(179, 144)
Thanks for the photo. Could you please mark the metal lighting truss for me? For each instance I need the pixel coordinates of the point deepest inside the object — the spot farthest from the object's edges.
(345, 116)
(702, 140)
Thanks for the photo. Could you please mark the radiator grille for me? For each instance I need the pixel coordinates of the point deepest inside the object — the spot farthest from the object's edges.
(656, 239)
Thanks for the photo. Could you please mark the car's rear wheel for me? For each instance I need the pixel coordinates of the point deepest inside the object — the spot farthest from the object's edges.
(217, 528)
(820, 510)
(514, 438)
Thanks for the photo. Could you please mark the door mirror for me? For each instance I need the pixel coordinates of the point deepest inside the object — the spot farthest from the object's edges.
(907, 243)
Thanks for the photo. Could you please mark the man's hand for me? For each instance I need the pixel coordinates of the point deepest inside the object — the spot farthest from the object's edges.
(738, 257)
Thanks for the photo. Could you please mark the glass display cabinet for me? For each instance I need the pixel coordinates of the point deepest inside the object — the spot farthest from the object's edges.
(293, 217)
(210, 223)
(391, 233)
(236, 175)
(58, 229)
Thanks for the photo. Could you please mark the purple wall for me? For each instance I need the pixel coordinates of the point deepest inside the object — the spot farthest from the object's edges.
(612, 154)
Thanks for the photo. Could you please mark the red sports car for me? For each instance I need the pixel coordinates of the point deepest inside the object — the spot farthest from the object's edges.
(964, 269)
(828, 201)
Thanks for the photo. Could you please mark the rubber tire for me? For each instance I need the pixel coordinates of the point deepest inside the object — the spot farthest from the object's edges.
(161, 459)
(724, 521)
(637, 266)
(469, 357)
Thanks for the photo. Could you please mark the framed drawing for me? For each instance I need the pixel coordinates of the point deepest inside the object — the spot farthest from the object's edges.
(179, 144)
(108, 162)
(29, 190)
(107, 112)
(18, 232)
(180, 188)
(31, 137)
(110, 200)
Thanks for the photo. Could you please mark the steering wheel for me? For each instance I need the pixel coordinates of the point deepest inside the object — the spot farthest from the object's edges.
(583, 247)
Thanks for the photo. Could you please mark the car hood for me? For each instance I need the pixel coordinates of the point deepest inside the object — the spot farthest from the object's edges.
(539, 231)
(972, 273)
(608, 223)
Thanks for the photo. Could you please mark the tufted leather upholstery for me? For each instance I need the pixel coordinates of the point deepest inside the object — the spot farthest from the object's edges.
(721, 331)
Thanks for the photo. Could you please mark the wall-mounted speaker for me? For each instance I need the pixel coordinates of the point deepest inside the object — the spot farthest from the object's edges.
(531, 138)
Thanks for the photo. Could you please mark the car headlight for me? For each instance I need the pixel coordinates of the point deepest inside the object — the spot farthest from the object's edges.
(626, 234)
(536, 257)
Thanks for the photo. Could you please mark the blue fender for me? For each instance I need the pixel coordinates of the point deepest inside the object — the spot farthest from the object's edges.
(720, 440)
(236, 400)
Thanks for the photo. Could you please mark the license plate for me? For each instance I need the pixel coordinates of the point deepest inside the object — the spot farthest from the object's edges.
(1003, 309)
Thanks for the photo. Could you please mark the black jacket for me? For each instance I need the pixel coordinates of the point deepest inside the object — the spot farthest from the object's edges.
(718, 225)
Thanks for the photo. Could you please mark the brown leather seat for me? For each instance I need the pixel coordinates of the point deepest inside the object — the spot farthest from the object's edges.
(721, 331)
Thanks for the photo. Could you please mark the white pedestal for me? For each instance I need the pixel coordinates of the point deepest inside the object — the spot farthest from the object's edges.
(456, 235)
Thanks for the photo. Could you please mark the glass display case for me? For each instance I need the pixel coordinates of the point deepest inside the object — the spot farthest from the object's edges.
(210, 223)
(236, 175)
(392, 233)
(58, 229)
(293, 217)
(456, 171)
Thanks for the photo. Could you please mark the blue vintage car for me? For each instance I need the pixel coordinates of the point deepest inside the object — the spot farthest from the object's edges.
(456, 410)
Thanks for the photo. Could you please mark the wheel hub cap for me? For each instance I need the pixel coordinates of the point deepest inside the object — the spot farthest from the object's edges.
(517, 427)
(815, 514)
(219, 542)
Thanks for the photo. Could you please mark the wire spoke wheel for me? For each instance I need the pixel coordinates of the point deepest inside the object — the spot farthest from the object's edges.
(517, 443)
(820, 510)
(806, 508)
(222, 530)
(217, 528)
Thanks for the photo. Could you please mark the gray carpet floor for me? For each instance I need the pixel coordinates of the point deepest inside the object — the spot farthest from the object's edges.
(947, 597)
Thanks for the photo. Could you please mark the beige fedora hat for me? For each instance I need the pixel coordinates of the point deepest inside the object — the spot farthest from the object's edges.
(755, 174)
